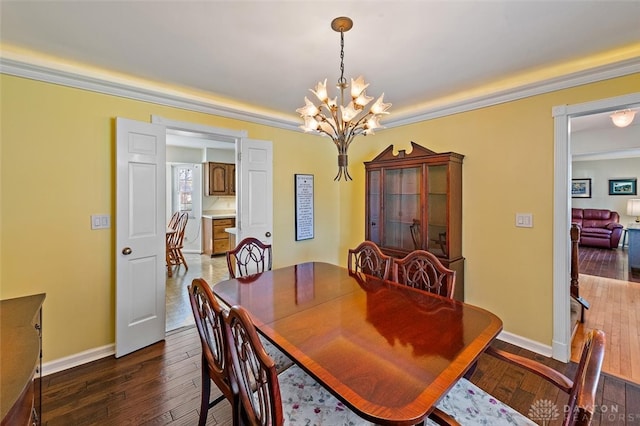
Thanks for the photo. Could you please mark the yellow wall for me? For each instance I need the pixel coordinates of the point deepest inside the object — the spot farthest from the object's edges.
(57, 168)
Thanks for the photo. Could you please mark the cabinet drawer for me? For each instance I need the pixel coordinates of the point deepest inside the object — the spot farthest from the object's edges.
(220, 246)
(225, 223)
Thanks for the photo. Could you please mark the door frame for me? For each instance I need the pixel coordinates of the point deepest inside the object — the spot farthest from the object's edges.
(562, 114)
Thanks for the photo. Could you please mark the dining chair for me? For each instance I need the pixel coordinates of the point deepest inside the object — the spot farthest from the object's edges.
(369, 259)
(250, 256)
(466, 403)
(175, 243)
(173, 221)
(267, 398)
(216, 367)
(423, 270)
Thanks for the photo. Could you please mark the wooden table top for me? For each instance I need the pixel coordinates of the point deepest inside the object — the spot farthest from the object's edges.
(388, 351)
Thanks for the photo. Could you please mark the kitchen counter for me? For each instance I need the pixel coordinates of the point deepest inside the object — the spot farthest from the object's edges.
(219, 215)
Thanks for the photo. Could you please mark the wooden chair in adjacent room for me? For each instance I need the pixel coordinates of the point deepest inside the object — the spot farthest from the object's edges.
(250, 256)
(173, 222)
(216, 367)
(175, 243)
(423, 270)
(268, 398)
(454, 407)
(369, 259)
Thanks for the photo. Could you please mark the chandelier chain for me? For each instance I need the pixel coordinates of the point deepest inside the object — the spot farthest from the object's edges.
(342, 81)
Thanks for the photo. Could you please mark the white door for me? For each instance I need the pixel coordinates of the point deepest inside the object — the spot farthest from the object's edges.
(255, 181)
(140, 235)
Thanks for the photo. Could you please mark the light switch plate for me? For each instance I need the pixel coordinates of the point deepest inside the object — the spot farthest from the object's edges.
(100, 221)
(524, 220)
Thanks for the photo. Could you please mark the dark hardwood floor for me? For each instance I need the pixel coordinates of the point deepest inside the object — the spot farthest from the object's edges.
(607, 263)
(160, 385)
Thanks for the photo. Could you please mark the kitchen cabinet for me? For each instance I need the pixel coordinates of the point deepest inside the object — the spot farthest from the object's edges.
(414, 201)
(21, 360)
(215, 238)
(220, 178)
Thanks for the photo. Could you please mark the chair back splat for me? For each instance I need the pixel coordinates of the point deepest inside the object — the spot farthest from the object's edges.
(258, 387)
(209, 319)
(250, 256)
(578, 411)
(423, 270)
(369, 259)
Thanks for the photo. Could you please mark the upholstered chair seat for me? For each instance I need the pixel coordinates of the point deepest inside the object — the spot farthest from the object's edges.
(473, 406)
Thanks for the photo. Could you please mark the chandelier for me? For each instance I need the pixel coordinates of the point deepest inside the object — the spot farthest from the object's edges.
(342, 123)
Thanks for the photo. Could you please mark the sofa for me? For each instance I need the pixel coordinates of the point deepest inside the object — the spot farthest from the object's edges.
(598, 227)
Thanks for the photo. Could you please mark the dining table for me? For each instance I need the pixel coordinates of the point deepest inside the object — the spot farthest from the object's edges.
(388, 351)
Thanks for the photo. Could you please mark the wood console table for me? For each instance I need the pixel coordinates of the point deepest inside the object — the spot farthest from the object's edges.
(21, 359)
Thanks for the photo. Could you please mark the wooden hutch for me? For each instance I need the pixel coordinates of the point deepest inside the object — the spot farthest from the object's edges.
(414, 201)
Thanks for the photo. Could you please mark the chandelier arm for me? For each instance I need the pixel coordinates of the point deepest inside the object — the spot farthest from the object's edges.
(357, 128)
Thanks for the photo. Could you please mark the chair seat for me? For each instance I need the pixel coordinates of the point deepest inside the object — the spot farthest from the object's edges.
(306, 402)
(282, 361)
(470, 405)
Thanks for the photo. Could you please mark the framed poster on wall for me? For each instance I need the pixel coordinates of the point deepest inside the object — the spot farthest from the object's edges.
(581, 188)
(304, 206)
(622, 186)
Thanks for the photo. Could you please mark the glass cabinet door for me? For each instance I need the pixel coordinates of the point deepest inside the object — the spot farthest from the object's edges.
(373, 225)
(401, 204)
(437, 210)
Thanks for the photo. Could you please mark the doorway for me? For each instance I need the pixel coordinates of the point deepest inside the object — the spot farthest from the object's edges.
(187, 146)
(561, 345)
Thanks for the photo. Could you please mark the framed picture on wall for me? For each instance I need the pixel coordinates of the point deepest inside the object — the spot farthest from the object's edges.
(623, 186)
(581, 188)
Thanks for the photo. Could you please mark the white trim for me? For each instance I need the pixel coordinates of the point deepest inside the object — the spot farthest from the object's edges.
(592, 75)
(77, 359)
(525, 343)
(108, 85)
(561, 209)
(561, 340)
(132, 91)
(220, 133)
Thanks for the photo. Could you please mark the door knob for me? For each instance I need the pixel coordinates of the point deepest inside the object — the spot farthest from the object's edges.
(267, 234)
(126, 251)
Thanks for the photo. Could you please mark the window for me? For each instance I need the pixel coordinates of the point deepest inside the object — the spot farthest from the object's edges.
(183, 176)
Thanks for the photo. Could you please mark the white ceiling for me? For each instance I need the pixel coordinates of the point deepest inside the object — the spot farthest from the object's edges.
(269, 53)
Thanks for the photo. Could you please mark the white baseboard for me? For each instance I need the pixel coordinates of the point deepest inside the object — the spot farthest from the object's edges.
(77, 359)
(525, 343)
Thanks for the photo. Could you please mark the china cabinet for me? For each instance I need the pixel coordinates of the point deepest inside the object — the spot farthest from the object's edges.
(414, 201)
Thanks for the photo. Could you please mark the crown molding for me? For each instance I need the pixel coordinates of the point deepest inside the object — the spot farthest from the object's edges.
(108, 86)
(592, 75)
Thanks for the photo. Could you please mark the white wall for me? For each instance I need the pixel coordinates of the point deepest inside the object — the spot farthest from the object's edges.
(600, 171)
